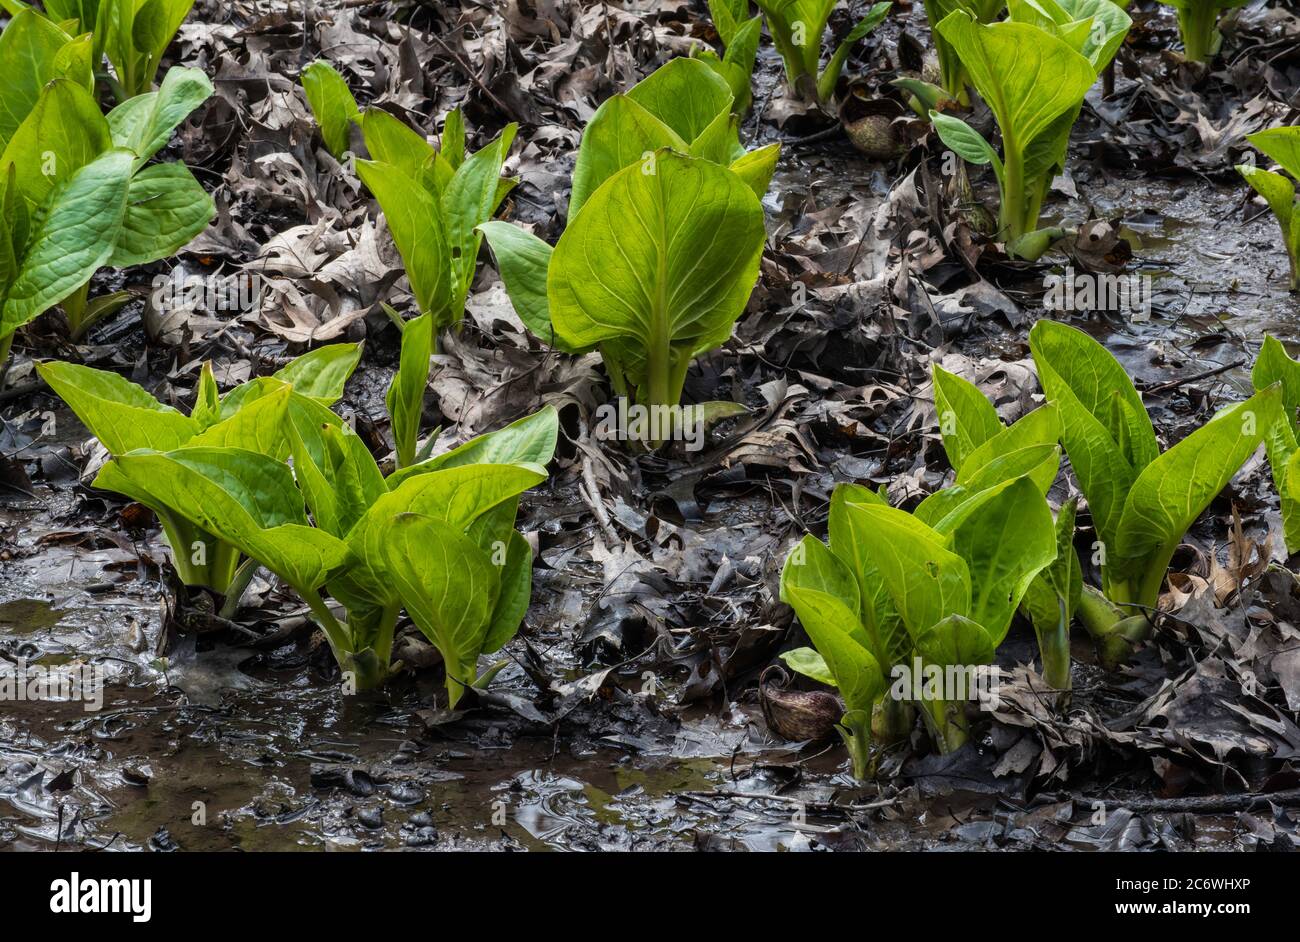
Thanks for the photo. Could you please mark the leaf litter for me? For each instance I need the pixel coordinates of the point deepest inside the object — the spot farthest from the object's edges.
(628, 714)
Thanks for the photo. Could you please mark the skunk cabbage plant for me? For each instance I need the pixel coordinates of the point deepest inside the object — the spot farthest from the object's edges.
(126, 419)
(892, 586)
(797, 27)
(132, 34)
(654, 271)
(1283, 146)
(984, 452)
(952, 76)
(433, 198)
(664, 237)
(740, 35)
(439, 542)
(1272, 367)
(1142, 501)
(434, 214)
(78, 193)
(436, 538)
(1069, 41)
(1198, 21)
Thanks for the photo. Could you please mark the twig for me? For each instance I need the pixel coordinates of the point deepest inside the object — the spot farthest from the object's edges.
(823, 135)
(473, 77)
(821, 806)
(591, 491)
(1174, 384)
(1202, 804)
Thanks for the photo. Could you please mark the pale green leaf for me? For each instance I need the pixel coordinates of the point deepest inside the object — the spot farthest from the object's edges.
(73, 239)
(145, 123)
(1175, 489)
(1041, 426)
(1058, 586)
(118, 412)
(258, 426)
(322, 373)
(808, 662)
(956, 641)
(1006, 542)
(1104, 426)
(246, 499)
(965, 141)
(946, 508)
(1008, 64)
(685, 94)
(154, 26)
(855, 671)
(405, 397)
(1273, 365)
(926, 581)
(529, 441)
(448, 586)
(1282, 144)
(338, 476)
(1277, 190)
(389, 141)
(665, 262)
(523, 261)
(515, 593)
(966, 418)
(621, 133)
(28, 47)
(458, 495)
(469, 200)
(756, 168)
(64, 132)
(332, 103)
(416, 223)
(166, 209)
(811, 565)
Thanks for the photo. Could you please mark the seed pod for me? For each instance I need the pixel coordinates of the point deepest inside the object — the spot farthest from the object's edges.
(930, 69)
(798, 715)
(870, 125)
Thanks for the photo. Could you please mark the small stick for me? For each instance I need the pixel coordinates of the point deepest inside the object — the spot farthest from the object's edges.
(1200, 804)
(591, 492)
(1174, 384)
(472, 76)
(823, 135)
(810, 805)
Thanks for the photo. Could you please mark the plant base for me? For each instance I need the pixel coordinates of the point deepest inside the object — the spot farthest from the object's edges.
(1115, 632)
(892, 720)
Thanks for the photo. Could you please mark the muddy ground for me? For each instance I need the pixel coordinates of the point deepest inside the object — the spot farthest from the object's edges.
(630, 716)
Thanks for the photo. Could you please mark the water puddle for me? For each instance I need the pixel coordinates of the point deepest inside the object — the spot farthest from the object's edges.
(1219, 282)
(27, 616)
